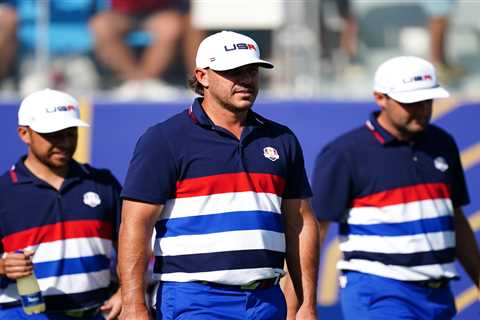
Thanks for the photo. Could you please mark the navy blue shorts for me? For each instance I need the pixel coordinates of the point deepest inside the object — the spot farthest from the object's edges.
(193, 300)
(366, 296)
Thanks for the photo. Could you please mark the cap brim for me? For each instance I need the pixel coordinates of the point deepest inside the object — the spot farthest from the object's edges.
(49, 127)
(219, 66)
(419, 95)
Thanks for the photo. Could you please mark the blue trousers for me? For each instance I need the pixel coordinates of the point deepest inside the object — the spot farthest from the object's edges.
(16, 313)
(192, 300)
(371, 297)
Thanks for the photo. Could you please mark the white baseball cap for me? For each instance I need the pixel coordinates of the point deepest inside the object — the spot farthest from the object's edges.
(408, 79)
(228, 50)
(49, 110)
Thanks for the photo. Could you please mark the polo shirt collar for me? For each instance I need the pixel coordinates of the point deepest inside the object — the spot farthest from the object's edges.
(380, 134)
(198, 116)
(19, 173)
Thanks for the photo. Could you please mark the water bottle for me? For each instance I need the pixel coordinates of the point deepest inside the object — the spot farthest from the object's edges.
(30, 294)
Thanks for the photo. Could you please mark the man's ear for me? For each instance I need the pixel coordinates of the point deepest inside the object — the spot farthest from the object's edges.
(202, 76)
(380, 98)
(24, 134)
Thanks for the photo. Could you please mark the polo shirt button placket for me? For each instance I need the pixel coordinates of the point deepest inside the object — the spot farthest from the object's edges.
(412, 148)
(240, 154)
(59, 202)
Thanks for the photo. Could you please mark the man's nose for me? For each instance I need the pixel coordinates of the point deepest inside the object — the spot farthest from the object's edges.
(66, 140)
(423, 108)
(249, 77)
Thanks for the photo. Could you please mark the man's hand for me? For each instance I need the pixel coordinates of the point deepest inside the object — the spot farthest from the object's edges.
(112, 307)
(134, 311)
(18, 265)
(307, 313)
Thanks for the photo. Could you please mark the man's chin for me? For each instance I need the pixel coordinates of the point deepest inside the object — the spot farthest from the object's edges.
(60, 161)
(243, 106)
(417, 128)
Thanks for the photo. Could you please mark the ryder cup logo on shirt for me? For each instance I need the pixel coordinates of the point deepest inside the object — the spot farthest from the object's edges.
(270, 153)
(440, 163)
(91, 199)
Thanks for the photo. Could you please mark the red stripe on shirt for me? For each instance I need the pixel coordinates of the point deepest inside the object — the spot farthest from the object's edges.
(13, 175)
(230, 182)
(58, 231)
(404, 195)
(375, 133)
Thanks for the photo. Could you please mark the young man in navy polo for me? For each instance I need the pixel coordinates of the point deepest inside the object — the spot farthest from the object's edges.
(227, 193)
(57, 217)
(396, 187)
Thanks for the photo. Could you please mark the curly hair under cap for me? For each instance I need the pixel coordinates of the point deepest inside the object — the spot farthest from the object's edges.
(196, 86)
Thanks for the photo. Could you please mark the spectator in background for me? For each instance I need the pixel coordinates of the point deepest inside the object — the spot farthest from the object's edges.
(348, 33)
(8, 38)
(166, 21)
(438, 13)
(61, 60)
(61, 215)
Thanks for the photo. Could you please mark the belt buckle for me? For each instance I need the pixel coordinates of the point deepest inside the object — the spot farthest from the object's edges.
(74, 313)
(435, 284)
(251, 286)
(258, 284)
(81, 313)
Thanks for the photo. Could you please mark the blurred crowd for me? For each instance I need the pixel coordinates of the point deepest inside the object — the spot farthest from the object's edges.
(144, 49)
(436, 14)
(62, 44)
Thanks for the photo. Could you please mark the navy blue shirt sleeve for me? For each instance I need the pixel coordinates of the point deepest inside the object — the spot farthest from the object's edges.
(112, 189)
(332, 185)
(1, 242)
(297, 185)
(3, 211)
(152, 173)
(460, 195)
(117, 206)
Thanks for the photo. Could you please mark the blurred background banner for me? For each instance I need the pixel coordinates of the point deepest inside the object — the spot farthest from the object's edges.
(116, 127)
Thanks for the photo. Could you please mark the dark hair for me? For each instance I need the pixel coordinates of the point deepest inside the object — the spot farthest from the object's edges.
(195, 85)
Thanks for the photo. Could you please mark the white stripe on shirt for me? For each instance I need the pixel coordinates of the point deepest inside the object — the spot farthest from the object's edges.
(71, 248)
(220, 242)
(229, 277)
(398, 213)
(220, 203)
(398, 244)
(75, 283)
(417, 273)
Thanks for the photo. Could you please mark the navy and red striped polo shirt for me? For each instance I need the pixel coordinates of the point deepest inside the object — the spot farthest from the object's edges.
(222, 196)
(394, 200)
(71, 231)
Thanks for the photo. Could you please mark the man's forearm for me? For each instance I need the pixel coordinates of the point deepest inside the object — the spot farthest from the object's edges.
(132, 264)
(2, 267)
(302, 254)
(138, 220)
(309, 252)
(466, 247)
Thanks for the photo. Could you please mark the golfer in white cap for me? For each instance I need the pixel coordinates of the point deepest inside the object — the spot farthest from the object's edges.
(396, 187)
(58, 218)
(227, 192)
